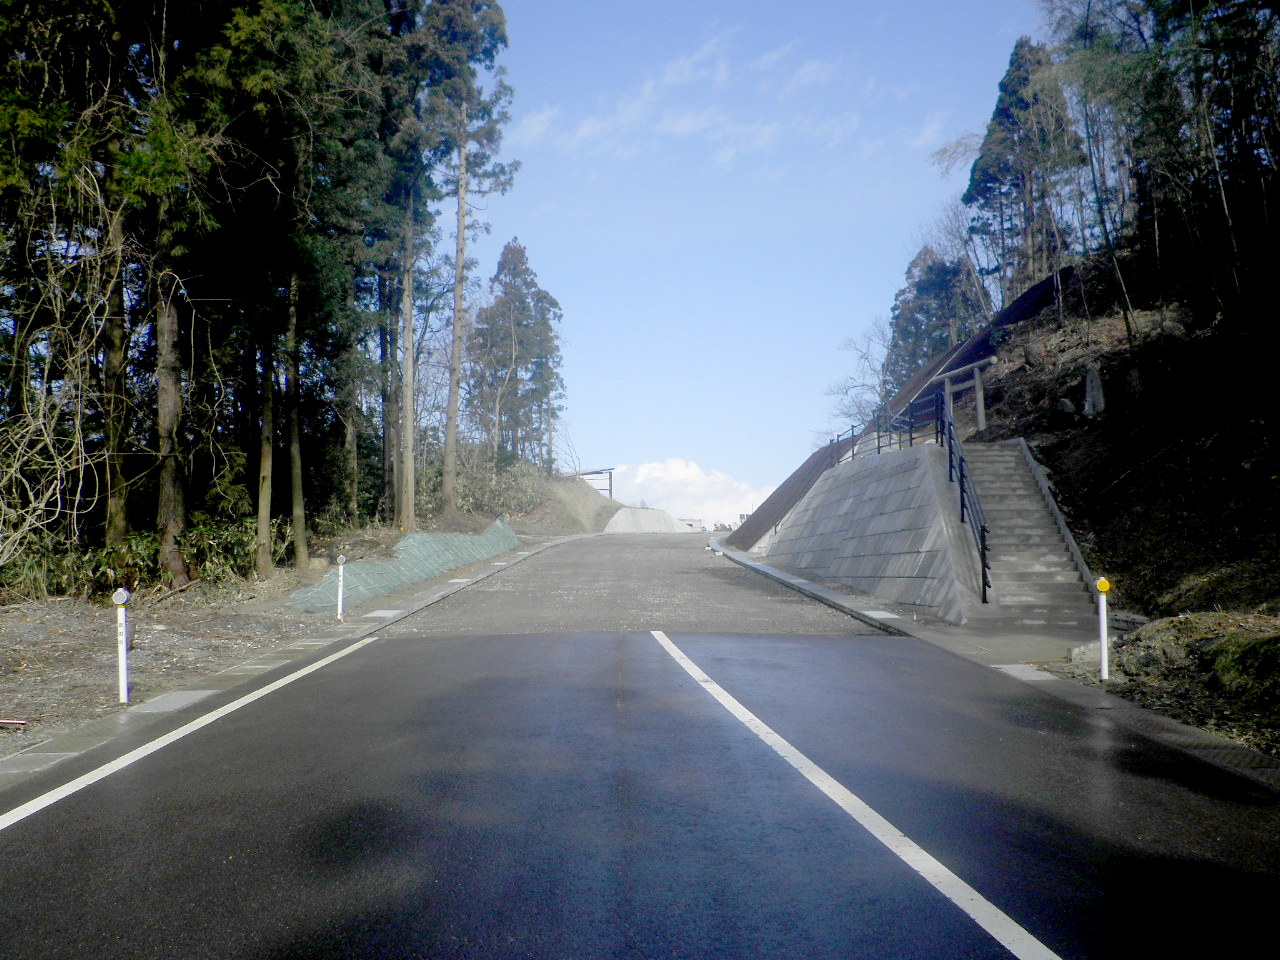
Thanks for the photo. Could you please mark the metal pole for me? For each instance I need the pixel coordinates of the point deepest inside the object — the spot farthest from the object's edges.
(342, 574)
(121, 597)
(1104, 642)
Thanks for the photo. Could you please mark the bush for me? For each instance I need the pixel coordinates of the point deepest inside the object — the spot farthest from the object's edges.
(53, 566)
(216, 551)
(221, 550)
(514, 489)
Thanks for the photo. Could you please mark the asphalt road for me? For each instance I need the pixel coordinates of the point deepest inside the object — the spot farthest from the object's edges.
(627, 747)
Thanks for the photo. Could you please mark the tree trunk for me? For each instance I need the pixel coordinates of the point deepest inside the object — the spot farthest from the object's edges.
(114, 402)
(406, 499)
(449, 477)
(351, 422)
(115, 357)
(266, 569)
(171, 512)
(351, 457)
(302, 558)
(387, 340)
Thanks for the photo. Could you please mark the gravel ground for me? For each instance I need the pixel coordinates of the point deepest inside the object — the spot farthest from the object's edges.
(58, 657)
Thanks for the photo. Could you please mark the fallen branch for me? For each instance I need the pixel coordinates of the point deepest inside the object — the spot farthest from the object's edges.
(175, 590)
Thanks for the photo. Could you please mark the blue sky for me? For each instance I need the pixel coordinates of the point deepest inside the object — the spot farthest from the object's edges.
(719, 193)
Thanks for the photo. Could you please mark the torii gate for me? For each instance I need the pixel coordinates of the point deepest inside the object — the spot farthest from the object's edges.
(951, 387)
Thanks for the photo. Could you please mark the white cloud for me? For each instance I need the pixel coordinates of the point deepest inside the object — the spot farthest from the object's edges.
(739, 139)
(771, 59)
(707, 64)
(693, 99)
(619, 130)
(810, 73)
(533, 128)
(834, 129)
(930, 131)
(684, 490)
(689, 123)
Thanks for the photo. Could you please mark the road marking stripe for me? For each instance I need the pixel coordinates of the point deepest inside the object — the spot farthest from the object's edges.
(1002, 927)
(11, 817)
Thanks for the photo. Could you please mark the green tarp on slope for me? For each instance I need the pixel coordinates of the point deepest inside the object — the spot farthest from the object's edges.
(419, 557)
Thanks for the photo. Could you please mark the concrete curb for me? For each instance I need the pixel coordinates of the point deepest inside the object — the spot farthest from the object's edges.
(843, 602)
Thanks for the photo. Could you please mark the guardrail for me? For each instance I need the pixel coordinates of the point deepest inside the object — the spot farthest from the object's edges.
(927, 420)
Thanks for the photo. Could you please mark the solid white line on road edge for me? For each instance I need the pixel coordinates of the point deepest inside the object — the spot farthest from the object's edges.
(1002, 927)
(9, 818)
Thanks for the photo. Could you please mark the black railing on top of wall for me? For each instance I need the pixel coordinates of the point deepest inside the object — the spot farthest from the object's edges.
(927, 420)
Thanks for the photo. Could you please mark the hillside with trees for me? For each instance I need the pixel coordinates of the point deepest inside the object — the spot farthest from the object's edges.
(235, 300)
(1117, 217)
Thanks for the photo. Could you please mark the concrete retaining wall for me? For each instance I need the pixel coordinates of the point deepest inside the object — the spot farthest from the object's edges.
(888, 525)
(419, 557)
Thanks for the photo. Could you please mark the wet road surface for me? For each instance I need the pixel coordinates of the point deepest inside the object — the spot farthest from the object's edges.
(551, 764)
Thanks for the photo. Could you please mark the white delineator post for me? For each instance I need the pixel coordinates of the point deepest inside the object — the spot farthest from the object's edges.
(342, 576)
(1104, 641)
(121, 598)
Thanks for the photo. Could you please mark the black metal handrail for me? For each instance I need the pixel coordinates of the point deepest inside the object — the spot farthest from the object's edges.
(927, 420)
(970, 503)
(921, 422)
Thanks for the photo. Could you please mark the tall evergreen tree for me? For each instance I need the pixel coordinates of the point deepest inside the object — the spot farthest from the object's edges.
(937, 309)
(514, 358)
(472, 124)
(210, 214)
(1028, 143)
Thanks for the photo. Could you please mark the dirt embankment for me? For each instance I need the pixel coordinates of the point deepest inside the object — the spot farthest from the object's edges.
(569, 505)
(1216, 671)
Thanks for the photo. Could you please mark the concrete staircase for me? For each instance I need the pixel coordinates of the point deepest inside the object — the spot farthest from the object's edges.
(1035, 581)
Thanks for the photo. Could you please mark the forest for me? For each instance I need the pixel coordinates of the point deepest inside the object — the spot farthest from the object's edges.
(1136, 143)
(236, 304)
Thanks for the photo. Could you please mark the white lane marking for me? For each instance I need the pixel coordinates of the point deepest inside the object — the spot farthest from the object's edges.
(993, 920)
(11, 817)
